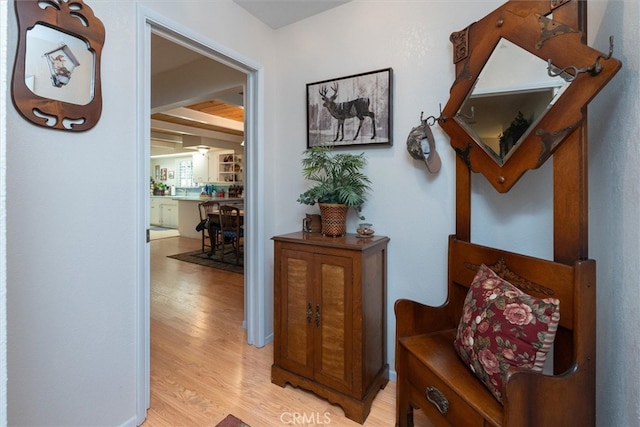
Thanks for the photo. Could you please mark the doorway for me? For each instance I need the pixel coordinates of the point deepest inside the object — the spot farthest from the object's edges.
(254, 297)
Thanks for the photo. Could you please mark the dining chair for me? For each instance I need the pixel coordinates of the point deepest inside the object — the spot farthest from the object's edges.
(210, 230)
(231, 230)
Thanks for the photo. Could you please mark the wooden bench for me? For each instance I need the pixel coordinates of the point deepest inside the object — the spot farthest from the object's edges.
(425, 355)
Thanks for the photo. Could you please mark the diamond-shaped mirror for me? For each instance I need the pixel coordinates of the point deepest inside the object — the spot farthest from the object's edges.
(509, 97)
(502, 89)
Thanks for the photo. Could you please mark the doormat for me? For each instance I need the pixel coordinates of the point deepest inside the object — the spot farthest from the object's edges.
(201, 258)
(231, 421)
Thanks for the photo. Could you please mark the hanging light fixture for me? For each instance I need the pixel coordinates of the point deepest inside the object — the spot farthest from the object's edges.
(203, 150)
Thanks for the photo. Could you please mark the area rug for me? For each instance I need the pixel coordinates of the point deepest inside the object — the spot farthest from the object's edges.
(231, 421)
(201, 258)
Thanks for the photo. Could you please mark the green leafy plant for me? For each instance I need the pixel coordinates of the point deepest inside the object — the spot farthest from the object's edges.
(338, 177)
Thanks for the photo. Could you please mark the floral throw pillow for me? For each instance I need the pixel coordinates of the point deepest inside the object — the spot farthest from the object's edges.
(501, 327)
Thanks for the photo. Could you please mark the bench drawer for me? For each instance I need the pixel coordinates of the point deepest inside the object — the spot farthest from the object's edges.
(456, 413)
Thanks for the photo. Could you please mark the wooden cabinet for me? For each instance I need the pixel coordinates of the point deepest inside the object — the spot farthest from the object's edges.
(329, 326)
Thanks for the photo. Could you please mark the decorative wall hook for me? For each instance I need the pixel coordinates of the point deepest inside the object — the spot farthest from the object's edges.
(593, 69)
(597, 68)
(432, 120)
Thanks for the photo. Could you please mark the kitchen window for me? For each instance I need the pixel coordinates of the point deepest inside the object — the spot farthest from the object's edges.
(185, 174)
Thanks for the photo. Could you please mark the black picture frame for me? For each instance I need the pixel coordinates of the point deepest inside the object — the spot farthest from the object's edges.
(362, 101)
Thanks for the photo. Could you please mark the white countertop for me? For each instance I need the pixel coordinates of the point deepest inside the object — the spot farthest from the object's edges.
(206, 199)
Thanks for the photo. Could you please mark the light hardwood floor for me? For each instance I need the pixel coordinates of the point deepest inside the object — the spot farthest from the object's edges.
(201, 367)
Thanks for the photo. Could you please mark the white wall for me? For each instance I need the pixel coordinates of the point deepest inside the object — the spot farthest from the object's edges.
(71, 259)
(171, 164)
(614, 221)
(72, 236)
(4, 84)
(71, 254)
(408, 204)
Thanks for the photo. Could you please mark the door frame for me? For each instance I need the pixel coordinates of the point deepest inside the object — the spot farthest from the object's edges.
(149, 21)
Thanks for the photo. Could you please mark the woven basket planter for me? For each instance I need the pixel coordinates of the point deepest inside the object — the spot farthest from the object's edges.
(334, 219)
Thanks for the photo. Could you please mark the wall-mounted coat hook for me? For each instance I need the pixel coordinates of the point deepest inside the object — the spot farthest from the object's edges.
(593, 69)
(432, 120)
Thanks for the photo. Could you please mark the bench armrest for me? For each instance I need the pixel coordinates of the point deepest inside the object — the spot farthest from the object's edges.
(535, 394)
(414, 318)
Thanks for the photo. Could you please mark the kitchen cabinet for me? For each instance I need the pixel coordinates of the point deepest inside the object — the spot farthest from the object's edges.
(329, 317)
(164, 212)
(217, 166)
(155, 211)
(230, 168)
(169, 214)
(201, 168)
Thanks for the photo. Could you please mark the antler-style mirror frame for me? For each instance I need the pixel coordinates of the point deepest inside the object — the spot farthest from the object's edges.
(529, 25)
(58, 108)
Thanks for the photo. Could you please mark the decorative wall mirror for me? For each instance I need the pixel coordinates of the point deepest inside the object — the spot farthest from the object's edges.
(56, 75)
(511, 94)
(522, 82)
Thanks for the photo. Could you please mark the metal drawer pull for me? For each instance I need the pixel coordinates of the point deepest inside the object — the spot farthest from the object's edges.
(437, 398)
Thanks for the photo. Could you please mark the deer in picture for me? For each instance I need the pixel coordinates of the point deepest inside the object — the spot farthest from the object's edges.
(346, 110)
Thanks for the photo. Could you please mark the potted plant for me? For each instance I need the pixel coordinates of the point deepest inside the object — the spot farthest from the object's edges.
(339, 184)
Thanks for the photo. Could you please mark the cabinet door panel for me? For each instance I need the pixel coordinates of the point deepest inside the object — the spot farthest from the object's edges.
(169, 215)
(334, 336)
(155, 212)
(296, 349)
(201, 168)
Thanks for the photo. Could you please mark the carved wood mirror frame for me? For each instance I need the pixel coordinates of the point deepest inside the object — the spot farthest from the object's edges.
(53, 102)
(529, 25)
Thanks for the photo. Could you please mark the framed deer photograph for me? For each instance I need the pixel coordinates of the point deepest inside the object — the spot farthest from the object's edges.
(350, 111)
